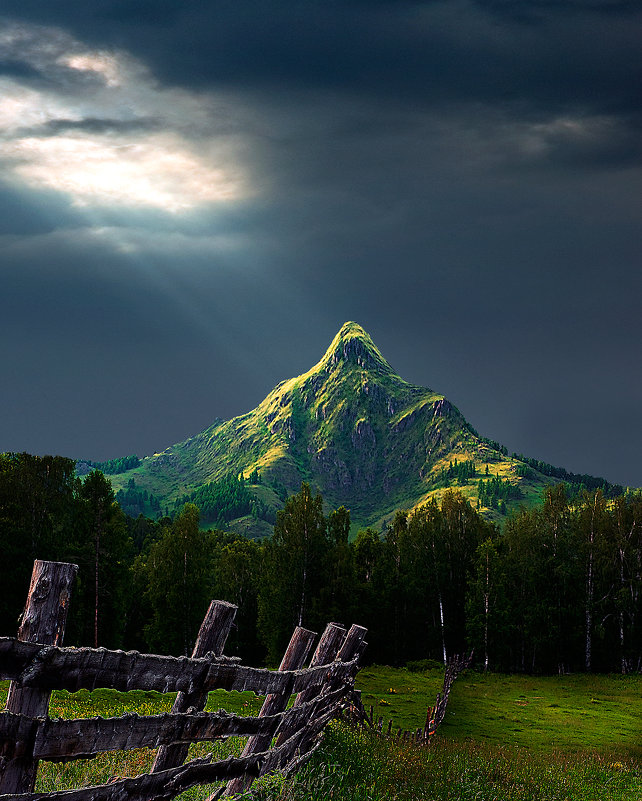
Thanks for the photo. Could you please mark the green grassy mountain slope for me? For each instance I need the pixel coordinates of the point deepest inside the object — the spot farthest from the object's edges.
(354, 429)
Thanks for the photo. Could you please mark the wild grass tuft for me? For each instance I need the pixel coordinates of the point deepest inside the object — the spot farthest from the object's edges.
(358, 765)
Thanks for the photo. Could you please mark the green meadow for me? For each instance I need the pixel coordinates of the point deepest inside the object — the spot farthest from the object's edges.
(569, 713)
(504, 738)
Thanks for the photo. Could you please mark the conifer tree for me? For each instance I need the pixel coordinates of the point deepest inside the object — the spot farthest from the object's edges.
(179, 570)
(295, 565)
(103, 554)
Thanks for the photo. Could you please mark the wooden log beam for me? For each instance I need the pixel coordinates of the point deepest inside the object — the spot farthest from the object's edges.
(62, 740)
(298, 748)
(73, 669)
(298, 717)
(326, 652)
(83, 738)
(353, 645)
(17, 735)
(166, 784)
(161, 786)
(43, 621)
(351, 649)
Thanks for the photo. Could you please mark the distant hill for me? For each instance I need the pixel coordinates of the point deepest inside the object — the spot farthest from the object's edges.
(355, 430)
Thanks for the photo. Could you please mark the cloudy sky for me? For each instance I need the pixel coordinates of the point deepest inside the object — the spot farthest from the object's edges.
(194, 196)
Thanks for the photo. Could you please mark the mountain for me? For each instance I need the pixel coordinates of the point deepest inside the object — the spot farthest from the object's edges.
(355, 430)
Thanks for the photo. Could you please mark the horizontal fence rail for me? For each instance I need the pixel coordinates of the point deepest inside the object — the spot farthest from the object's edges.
(63, 740)
(36, 664)
(54, 668)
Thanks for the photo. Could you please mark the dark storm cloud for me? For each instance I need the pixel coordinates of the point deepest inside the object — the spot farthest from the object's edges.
(19, 69)
(530, 10)
(425, 56)
(459, 177)
(532, 59)
(429, 51)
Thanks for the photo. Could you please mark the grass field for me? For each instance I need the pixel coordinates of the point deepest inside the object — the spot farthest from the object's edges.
(505, 738)
(569, 713)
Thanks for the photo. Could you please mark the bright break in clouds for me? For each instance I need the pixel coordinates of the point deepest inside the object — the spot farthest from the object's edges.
(96, 127)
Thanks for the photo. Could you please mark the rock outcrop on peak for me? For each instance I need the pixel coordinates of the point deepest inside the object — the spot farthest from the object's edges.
(354, 345)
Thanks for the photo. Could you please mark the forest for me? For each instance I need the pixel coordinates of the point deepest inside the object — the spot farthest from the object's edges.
(556, 589)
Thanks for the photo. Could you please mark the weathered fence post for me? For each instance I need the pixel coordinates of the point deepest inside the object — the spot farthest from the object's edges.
(354, 643)
(352, 646)
(211, 638)
(293, 659)
(43, 621)
(325, 653)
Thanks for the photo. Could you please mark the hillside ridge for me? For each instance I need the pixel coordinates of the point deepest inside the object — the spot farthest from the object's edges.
(358, 432)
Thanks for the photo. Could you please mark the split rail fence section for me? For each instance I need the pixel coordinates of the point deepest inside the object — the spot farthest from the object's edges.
(36, 664)
(355, 711)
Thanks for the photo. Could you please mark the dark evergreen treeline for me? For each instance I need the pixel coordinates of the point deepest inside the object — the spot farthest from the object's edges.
(459, 471)
(134, 501)
(494, 491)
(46, 512)
(219, 502)
(577, 481)
(226, 499)
(558, 589)
(114, 466)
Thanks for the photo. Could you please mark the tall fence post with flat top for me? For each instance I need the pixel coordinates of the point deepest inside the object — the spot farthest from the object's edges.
(43, 621)
(211, 638)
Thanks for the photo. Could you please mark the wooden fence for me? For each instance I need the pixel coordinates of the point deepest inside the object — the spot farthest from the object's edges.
(355, 711)
(36, 664)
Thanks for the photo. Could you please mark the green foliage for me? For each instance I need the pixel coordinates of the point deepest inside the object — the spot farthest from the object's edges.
(494, 445)
(136, 501)
(295, 564)
(115, 466)
(577, 481)
(178, 584)
(101, 547)
(350, 426)
(224, 500)
(422, 665)
(236, 571)
(461, 472)
(569, 713)
(558, 589)
(507, 738)
(523, 471)
(359, 766)
(38, 499)
(494, 490)
(357, 432)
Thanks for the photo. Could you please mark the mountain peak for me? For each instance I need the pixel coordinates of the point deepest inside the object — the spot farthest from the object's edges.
(354, 345)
